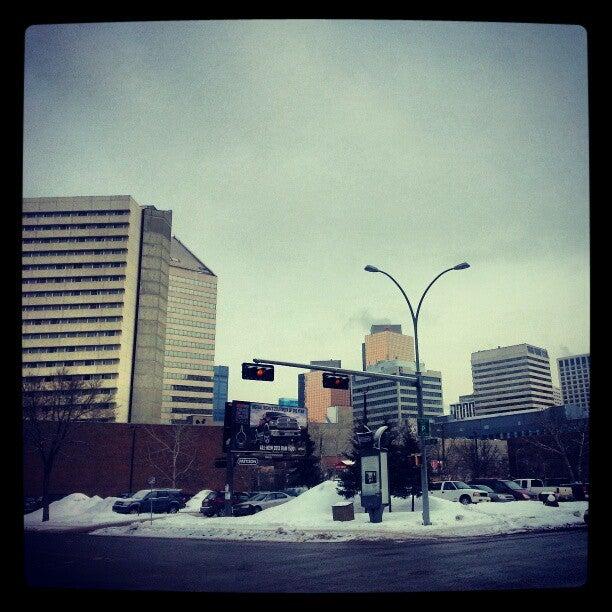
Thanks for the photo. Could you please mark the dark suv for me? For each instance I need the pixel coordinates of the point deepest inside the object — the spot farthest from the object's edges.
(214, 503)
(503, 486)
(277, 424)
(157, 501)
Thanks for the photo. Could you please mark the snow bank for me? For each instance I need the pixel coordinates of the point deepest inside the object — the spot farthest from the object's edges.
(309, 518)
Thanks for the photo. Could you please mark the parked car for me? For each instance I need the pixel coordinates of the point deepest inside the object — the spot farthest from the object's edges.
(493, 496)
(503, 486)
(276, 425)
(455, 490)
(214, 503)
(157, 501)
(261, 501)
(295, 491)
(537, 490)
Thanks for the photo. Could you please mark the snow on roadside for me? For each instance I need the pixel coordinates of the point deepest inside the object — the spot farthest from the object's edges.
(309, 518)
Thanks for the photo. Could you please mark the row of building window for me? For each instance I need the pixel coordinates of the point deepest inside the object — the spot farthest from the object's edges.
(523, 365)
(185, 323)
(383, 402)
(63, 239)
(186, 291)
(75, 266)
(70, 321)
(95, 306)
(579, 361)
(189, 281)
(74, 213)
(194, 410)
(502, 387)
(75, 334)
(168, 387)
(75, 362)
(186, 366)
(175, 376)
(76, 377)
(199, 303)
(190, 334)
(522, 358)
(67, 292)
(186, 400)
(76, 253)
(172, 342)
(74, 226)
(488, 399)
(521, 376)
(190, 311)
(202, 356)
(72, 349)
(537, 351)
(73, 279)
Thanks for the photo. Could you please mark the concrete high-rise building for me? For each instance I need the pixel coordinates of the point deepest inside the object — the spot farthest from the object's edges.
(392, 402)
(100, 300)
(557, 396)
(190, 338)
(317, 399)
(220, 393)
(575, 379)
(84, 289)
(510, 379)
(386, 343)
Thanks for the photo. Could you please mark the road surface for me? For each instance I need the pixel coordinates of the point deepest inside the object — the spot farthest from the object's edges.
(524, 561)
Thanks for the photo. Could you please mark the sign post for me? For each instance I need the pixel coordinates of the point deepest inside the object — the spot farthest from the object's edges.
(151, 483)
(374, 476)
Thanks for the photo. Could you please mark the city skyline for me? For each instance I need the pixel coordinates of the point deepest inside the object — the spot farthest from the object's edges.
(292, 154)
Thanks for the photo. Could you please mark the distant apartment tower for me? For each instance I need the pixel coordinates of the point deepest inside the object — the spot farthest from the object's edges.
(220, 393)
(464, 408)
(575, 379)
(317, 399)
(90, 302)
(510, 379)
(392, 402)
(557, 396)
(386, 343)
(190, 338)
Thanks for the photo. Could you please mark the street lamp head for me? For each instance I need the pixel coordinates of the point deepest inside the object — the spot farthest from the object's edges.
(462, 266)
(371, 269)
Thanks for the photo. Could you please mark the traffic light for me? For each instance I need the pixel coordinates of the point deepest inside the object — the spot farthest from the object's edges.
(254, 371)
(335, 381)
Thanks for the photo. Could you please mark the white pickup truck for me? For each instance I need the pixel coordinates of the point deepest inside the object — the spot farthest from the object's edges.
(537, 490)
(455, 490)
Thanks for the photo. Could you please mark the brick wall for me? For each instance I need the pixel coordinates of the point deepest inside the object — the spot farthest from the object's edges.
(98, 457)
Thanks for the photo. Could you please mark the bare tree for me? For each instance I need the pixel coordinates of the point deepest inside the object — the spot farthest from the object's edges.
(51, 407)
(478, 459)
(566, 438)
(171, 455)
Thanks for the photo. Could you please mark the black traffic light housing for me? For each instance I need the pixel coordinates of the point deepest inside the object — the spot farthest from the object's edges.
(254, 371)
(335, 381)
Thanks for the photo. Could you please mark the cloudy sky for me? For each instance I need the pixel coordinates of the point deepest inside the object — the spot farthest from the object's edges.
(293, 153)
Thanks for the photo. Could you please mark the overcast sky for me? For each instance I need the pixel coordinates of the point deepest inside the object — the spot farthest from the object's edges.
(293, 153)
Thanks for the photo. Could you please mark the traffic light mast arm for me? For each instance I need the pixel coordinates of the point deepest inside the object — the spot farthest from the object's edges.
(395, 377)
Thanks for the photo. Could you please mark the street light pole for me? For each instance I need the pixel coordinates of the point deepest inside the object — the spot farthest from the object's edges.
(419, 384)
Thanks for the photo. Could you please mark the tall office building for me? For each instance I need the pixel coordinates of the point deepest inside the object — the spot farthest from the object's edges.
(190, 338)
(510, 379)
(575, 379)
(97, 288)
(82, 296)
(220, 393)
(386, 343)
(317, 399)
(464, 408)
(392, 402)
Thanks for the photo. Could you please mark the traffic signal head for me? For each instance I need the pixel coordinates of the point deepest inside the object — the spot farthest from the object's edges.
(335, 381)
(254, 371)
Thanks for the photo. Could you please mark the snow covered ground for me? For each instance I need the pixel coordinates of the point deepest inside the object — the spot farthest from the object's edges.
(309, 518)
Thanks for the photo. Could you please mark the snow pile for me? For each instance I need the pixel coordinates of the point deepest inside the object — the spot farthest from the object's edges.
(194, 504)
(75, 510)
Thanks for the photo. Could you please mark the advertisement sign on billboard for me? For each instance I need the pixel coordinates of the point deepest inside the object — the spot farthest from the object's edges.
(269, 428)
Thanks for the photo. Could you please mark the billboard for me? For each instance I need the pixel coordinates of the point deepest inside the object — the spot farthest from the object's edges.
(268, 428)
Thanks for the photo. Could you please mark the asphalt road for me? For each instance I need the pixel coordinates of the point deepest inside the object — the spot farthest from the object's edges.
(523, 561)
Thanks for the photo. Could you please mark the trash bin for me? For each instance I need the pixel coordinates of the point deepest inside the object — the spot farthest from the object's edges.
(343, 511)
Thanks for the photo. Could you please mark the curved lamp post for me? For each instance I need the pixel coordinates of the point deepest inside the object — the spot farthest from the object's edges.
(415, 321)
